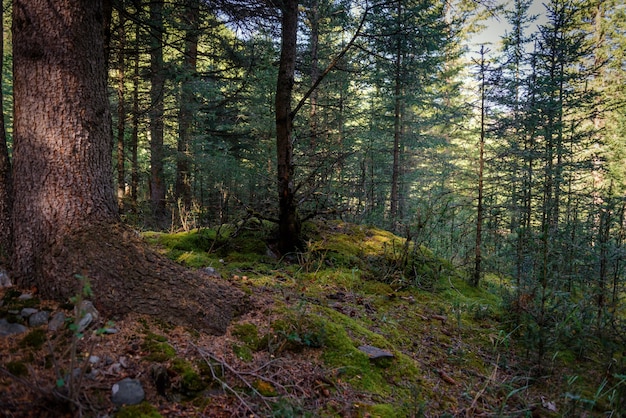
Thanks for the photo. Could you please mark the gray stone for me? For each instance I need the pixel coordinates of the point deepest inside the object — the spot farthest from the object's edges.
(7, 328)
(26, 312)
(84, 322)
(127, 392)
(212, 272)
(375, 353)
(86, 307)
(5, 280)
(25, 296)
(57, 321)
(38, 318)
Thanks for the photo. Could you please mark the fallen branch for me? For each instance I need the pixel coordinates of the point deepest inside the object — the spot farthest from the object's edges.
(492, 377)
(210, 358)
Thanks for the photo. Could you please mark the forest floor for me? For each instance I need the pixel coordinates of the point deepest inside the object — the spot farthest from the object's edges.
(296, 352)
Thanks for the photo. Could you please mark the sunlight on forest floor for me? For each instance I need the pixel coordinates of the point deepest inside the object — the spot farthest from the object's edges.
(296, 352)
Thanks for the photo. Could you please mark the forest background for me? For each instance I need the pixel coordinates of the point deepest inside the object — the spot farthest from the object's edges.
(506, 158)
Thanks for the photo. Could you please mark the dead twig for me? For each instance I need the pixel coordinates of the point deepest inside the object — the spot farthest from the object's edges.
(492, 377)
(210, 359)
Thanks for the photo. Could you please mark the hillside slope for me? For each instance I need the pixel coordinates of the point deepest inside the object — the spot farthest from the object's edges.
(304, 347)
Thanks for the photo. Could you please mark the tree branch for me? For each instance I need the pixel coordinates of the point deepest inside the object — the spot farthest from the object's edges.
(330, 66)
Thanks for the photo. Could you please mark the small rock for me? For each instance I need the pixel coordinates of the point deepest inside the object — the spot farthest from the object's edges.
(123, 361)
(57, 321)
(212, 272)
(86, 307)
(85, 321)
(5, 280)
(114, 368)
(94, 359)
(26, 312)
(110, 331)
(38, 318)
(25, 296)
(7, 328)
(127, 392)
(375, 353)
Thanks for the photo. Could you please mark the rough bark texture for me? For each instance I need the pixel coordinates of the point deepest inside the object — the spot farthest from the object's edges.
(157, 110)
(187, 103)
(65, 217)
(62, 132)
(121, 114)
(288, 220)
(6, 183)
(127, 277)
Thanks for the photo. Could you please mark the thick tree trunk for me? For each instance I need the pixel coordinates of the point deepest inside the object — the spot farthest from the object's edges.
(62, 128)
(121, 115)
(186, 106)
(134, 136)
(289, 222)
(6, 183)
(157, 110)
(65, 218)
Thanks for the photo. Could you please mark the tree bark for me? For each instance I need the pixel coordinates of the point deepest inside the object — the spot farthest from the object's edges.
(6, 182)
(157, 110)
(288, 220)
(134, 137)
(478, 255)
(65, 218)
(121, 114)
(186, 106)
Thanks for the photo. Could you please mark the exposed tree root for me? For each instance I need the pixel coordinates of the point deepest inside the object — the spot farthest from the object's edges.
(126, 276)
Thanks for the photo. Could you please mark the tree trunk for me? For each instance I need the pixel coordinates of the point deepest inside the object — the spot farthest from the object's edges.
(289, 222)
(478, 255)
(121, 115)
(397, 130)
(186, 107)
(65, 218)
(6, 183)
(157, 110)
(314, 21)
(134, 137)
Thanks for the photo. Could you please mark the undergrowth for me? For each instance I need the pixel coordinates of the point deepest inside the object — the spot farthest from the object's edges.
(456, 350)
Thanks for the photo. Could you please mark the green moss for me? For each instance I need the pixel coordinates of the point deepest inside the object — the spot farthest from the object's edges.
(243, 352)
(383, 411)
(353, 365)
(195, 240)
(157, 348)
(34, 339)
(249, 334)
(264, 388)
(297, 331)
(142, 410)
(376, 288)
(190, 383)
(195, 259)
(17, 368)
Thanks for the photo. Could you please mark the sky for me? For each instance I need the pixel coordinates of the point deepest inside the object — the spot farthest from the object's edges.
(495, 29)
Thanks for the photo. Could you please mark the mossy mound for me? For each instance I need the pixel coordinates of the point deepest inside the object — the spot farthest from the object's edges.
(354, 285)
(157, 349)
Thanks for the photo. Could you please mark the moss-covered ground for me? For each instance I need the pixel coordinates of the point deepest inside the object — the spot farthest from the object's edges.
(296, 352)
